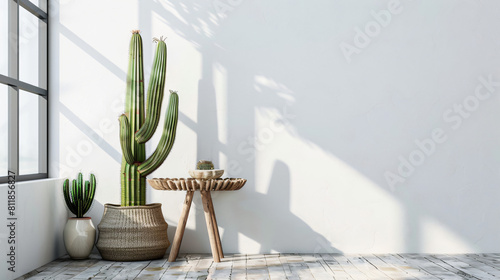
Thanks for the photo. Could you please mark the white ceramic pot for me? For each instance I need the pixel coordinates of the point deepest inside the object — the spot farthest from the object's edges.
(79, 237)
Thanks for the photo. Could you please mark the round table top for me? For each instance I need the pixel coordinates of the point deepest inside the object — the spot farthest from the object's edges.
(191, 184)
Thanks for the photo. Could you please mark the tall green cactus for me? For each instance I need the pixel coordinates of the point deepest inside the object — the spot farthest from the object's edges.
(136, 127)
(80, 195)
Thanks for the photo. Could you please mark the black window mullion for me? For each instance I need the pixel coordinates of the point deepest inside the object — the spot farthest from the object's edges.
(22, 85)
(4, 180)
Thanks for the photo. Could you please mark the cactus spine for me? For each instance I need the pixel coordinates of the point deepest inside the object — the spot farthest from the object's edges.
(136, 127)
(79, 196)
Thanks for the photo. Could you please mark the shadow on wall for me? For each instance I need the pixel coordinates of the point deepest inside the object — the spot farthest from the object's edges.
(277, 60)
(284, 59)
(273, 226)
(268, 220)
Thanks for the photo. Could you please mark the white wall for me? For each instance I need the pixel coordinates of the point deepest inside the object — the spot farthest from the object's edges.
(313, 113)
(37, 234)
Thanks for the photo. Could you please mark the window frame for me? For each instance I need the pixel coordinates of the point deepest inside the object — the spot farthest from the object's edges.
(15, 85)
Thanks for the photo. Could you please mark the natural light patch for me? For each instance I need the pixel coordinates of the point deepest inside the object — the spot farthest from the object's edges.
(220, 85)
(436, 235)
(263, 84)
(213, 18)
(224, 164)
(205, 27)
(247, 244)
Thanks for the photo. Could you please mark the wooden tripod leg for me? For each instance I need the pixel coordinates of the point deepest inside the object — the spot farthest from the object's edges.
(216, 228)
(205, 197)
(179, 232)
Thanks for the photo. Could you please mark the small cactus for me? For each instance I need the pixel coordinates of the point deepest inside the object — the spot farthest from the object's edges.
(204, 165)
(79, 196)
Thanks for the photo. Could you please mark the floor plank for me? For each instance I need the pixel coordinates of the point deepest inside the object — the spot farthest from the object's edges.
(402, 264)
(464, 267)
(336, 267)
(256, 268)
(276, 270)
(422, 262)
(473, 262)
(353, 271)
(155, 269)
(392, 272)
(278, 267)
(449, 267)
(239, 266)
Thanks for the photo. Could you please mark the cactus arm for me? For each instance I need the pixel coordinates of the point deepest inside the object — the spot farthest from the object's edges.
(125, 139)
(167, 138)
(93, 184)
(67, 198)
(74, 186)
(155, 94)
(79, 189)
(79, 195)
(134, 105)
(89, 194)
(85, 202)
(74, 196)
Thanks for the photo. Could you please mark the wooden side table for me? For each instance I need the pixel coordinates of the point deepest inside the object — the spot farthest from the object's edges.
(205, 187)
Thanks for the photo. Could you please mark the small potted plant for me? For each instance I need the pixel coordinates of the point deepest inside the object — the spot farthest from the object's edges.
(79, 232)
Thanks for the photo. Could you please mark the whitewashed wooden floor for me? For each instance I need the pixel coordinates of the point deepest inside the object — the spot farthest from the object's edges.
(280, 266)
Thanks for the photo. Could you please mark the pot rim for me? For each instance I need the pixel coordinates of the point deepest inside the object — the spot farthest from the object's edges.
(82, 218)
(118, 206)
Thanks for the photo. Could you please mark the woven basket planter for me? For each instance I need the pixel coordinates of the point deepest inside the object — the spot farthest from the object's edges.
(132, 233)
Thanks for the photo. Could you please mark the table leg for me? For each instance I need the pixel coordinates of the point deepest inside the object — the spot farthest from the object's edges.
(179, 232)
(205, 197)
(216, 227)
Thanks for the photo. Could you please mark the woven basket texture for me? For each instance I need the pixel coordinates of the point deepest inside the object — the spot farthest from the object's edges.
(132, 233)
(190, 184)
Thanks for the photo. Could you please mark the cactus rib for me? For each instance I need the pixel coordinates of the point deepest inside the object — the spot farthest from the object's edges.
(155, 95)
